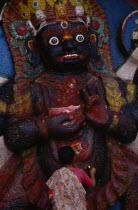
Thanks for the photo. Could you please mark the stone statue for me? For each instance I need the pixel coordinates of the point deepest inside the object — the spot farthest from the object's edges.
(58, 100)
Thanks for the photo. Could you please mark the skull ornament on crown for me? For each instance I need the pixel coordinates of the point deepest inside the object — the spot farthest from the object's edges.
(40, 13)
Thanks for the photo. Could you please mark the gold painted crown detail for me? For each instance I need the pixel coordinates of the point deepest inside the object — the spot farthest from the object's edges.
(38, 13)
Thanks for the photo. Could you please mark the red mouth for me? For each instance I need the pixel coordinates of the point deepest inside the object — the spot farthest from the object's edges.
(69, 56)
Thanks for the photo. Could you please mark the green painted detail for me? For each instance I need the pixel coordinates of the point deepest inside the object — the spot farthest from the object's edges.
(101, 69)
(15, 44)
(30, 60)
(14, 33)
(100, 31)
(18, 41)
(30, 74)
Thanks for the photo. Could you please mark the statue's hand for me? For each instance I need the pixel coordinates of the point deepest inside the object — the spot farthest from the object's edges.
(96, 109)
(63, 125)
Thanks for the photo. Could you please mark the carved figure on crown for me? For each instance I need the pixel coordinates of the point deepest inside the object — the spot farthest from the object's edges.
(63, 94)
(60, 9)
(79, 11)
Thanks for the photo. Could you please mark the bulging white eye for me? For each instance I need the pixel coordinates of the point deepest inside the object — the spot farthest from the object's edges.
(54, 40)
(80, 38)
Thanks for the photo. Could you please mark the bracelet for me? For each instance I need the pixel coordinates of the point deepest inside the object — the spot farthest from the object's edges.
(115, 121)
(41, 123)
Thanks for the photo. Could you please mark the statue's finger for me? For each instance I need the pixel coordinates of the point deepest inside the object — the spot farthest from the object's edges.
(84, 94)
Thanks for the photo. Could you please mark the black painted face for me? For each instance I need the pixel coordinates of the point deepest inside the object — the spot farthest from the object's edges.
(64, 46)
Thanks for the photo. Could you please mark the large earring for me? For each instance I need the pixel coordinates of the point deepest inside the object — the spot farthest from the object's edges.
(33, 54)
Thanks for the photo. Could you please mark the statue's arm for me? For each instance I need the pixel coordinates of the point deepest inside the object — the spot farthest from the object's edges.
(24, 132)
(131, 109)
(117, 124)
(6, 96)
(122, 125)
(125, 121)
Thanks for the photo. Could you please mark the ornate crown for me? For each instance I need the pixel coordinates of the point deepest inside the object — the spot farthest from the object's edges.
(39, 13)
(21, 13)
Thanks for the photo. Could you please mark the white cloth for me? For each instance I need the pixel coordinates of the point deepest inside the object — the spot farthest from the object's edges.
(68, 192)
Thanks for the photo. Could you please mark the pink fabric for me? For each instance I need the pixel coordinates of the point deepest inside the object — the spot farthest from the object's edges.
(82, 176)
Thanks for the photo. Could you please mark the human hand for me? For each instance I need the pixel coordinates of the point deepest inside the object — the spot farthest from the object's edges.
(92, 174)
(50, 196)
(92, 171)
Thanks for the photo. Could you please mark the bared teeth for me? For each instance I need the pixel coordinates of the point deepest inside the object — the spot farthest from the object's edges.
(70, 55)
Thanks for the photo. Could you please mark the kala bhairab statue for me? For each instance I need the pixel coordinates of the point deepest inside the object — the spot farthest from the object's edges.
(58, 99)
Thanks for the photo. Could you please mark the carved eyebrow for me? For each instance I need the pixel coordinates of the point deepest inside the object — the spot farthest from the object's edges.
(55, 30)
(52, 31)
(81, 29)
